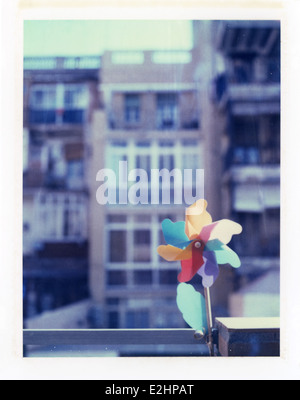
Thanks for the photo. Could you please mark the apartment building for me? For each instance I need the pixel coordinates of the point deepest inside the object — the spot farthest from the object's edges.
(247, 93)
(149, 119)
(59, 96)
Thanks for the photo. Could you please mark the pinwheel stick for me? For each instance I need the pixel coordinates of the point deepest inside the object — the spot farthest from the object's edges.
(209, 320)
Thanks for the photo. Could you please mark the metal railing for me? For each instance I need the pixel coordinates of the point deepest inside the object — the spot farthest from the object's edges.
(231, 336)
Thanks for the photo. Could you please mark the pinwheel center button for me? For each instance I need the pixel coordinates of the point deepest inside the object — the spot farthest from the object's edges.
(198, 245)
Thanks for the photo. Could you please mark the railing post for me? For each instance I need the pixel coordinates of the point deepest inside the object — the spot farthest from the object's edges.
(248, 337)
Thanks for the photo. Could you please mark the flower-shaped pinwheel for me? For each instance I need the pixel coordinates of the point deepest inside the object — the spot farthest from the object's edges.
(199, 244)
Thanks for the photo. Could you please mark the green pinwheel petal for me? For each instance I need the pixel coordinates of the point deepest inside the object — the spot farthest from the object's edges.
(192, 305)
(224, 255)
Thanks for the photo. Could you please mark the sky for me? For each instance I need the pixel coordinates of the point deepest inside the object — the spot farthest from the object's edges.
(92, 37)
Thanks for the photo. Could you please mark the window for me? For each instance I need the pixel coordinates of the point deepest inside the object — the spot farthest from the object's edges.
(144, 162)
(117, 247)
(142, 246)
(167, 161)
(114, 156)
(61, 217)
(74, 153)
(43, 97)
(167, 111)
(56, 165)
(245, 141)
(116, 278)
(270, 141)
(133, 241)
(58, 103)
(168, 277)
(144, 277)
(113, 320)
(75, 174)
(132, 108)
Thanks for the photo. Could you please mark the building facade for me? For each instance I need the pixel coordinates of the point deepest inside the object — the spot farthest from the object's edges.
(59, 96)
(248, 94)
(149, 121)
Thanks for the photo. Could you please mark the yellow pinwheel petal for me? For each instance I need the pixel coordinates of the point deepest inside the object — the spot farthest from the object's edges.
(171, 253)
(196, 218)
(222, 230)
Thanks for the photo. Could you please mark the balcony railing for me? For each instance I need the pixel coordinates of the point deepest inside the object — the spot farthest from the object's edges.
(233, 337)
(50, 63)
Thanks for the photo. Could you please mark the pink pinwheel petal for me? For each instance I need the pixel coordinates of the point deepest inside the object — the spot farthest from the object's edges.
(222, 230)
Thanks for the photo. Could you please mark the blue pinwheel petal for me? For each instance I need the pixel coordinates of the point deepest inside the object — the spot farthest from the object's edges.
(213, 245)
(224, 255)
(209, 272)
(174, 233)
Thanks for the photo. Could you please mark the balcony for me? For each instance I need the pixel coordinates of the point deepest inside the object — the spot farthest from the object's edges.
(240, 37)
(255, 173)
(53, 117)
(255, 188)
(251, 83)
(52, 68)
(249, 98)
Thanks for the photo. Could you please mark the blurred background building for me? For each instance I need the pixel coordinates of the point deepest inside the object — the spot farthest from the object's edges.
(247, 93)
(215, 107)
(59, 97)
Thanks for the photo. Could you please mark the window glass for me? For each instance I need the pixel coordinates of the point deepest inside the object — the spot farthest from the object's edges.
(132, 108)
(190, 161)
(168, 277)
(143, 277)
(116, 278)
(75, 174)
(75, 97)
(43, 97)
(166, 161)
(143, 162)
(167, 111)
(113, 320)
(142, 246)
(117, 246)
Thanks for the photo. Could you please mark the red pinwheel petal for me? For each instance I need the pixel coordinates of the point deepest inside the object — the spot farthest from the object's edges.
(190, 267)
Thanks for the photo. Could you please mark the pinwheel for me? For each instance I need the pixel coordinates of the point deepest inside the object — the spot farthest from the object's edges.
(200, 245)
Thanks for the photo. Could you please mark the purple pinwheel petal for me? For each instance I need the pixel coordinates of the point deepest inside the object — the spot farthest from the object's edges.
(210, 270)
